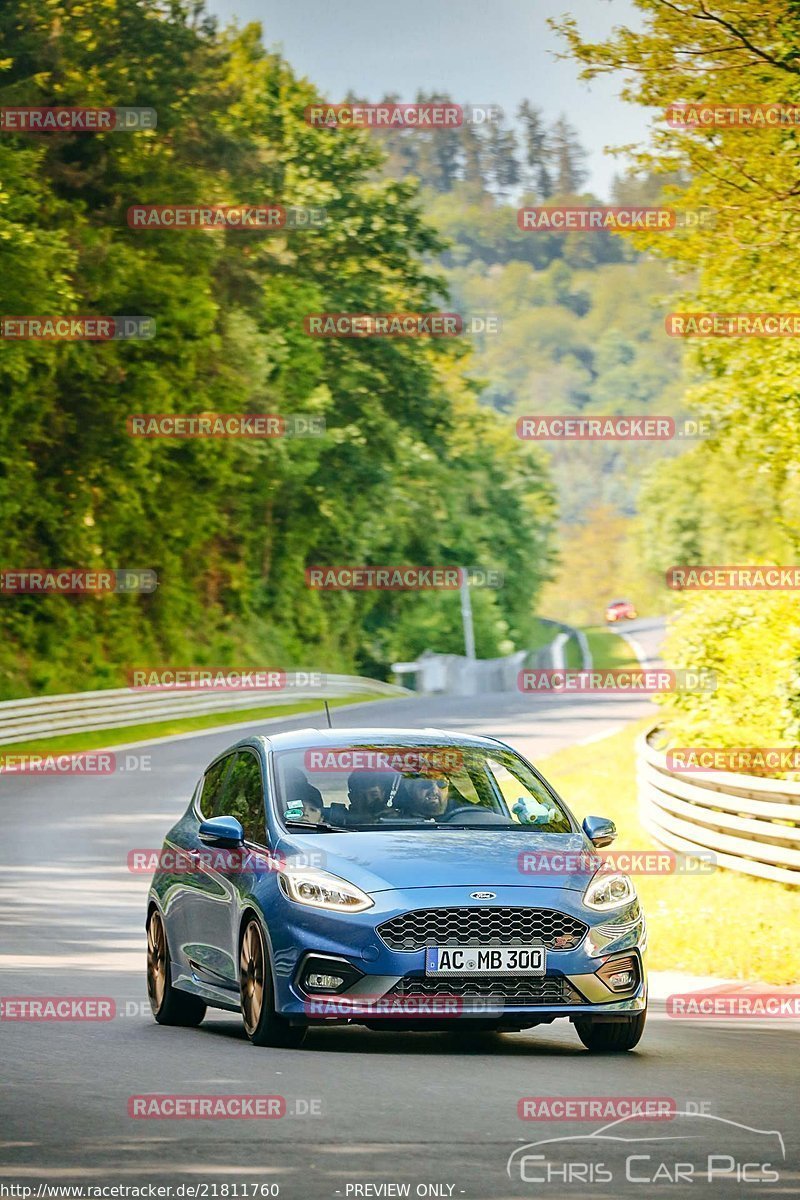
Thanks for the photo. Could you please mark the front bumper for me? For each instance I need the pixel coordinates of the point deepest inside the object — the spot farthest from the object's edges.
(391, 985)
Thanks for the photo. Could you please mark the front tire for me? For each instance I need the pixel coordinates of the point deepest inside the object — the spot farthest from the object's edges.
(262, 1024)
(169, 1005)
(611, 1037)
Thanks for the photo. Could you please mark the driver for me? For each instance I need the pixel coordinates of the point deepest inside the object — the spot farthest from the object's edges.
(425, 796)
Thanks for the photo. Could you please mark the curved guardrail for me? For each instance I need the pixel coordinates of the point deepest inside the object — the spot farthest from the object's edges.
(461, 676)
(85, 712)
(750, 824)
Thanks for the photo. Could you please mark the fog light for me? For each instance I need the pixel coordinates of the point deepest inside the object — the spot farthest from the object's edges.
(328, 974)
(620, 974)
(324, 981)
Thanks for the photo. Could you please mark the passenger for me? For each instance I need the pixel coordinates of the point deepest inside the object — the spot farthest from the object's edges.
(313, 806)
(302, 793)
(370, 793)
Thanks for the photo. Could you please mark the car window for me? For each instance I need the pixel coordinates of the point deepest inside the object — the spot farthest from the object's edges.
(243, 797)
(212, 786)
(381, 785)
(335, 788)
(526, 796)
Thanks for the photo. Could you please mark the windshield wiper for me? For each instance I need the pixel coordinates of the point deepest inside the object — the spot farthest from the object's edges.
(323, 825)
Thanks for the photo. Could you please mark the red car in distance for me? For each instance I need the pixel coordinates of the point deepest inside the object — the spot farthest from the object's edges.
(620, 610)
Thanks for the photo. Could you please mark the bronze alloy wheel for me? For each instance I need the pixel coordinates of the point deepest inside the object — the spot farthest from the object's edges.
(251, 976)
(170, 1005)
(263, 1026)
(156, 960)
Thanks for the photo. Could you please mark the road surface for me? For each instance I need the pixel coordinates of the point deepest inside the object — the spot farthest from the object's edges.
(368, 1113)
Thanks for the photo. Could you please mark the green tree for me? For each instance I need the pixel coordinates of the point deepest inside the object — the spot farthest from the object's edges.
(725, 54)
(568, 158)
(538, 155)
(228, 525)
(501, 157)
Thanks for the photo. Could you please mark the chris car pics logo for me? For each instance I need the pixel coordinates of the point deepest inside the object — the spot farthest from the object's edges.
(693, 1148)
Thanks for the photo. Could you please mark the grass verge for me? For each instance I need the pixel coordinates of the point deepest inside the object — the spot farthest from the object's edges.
(723, 924)
(541, 636)
(609, 650)
(573, 658)
(140, 733)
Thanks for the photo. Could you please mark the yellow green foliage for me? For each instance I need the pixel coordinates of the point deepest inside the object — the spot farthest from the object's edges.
(752, 642)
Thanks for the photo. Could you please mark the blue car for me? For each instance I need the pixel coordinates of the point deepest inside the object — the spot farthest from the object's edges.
(395, 879)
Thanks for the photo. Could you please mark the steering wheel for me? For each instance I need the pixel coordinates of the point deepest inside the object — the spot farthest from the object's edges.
(475, 814)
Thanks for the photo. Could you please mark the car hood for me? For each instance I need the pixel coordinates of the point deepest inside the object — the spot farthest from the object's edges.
(406, 859)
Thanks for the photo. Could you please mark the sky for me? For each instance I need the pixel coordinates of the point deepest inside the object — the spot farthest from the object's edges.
(478, 51)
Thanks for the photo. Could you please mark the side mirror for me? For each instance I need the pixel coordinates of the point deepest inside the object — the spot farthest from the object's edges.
(221, 831)
(599, 830)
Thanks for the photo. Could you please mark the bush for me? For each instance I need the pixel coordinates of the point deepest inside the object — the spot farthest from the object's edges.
(752, 642)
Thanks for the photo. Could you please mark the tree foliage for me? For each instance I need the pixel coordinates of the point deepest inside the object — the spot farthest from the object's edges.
(411, 470)
(736, 497)
(726, 53)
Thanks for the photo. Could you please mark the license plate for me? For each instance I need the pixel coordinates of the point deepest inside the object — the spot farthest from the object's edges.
(485, 960)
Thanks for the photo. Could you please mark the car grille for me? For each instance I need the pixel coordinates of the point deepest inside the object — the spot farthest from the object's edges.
(548, 990)
(460, 926)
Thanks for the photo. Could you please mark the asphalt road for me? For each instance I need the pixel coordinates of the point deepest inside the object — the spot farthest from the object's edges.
(364, 1110)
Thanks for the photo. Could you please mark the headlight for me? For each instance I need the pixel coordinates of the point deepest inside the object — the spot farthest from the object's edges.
(318, 889)
(609, 889)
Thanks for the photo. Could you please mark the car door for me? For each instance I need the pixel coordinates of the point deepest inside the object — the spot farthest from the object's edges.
(183, 842)
(212, 910)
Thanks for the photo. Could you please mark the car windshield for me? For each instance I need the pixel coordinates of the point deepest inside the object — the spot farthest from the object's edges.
(413, 785)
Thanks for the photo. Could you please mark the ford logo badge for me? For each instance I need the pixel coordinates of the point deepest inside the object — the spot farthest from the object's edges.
(483, 895)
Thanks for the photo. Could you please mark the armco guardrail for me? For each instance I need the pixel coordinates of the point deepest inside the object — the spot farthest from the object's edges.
(751, 824)
(459, 676)
(85, 712)
(556, 649)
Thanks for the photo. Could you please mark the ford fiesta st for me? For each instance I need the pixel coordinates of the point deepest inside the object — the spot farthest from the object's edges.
(395, 879)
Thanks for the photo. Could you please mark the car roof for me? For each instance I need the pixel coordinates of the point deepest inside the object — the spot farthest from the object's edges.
(303, 739)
